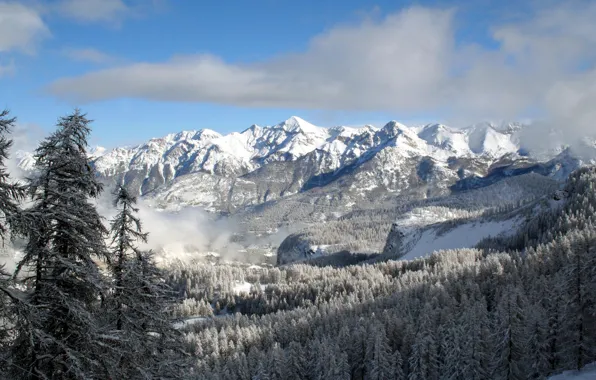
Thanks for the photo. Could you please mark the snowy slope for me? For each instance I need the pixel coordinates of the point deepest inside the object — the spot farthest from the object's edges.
(461, 221)
(463, 236)
(492, 140)
(443, 137)
(422, 231)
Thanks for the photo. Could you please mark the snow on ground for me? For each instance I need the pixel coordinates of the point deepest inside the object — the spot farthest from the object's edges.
(188, 321)
(587, 373)
(463, 236)
(424, 216)
(244, 287)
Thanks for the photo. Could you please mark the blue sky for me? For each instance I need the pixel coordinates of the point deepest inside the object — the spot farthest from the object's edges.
(143, 69)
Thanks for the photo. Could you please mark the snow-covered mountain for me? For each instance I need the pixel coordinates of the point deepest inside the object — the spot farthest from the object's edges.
(278, 180)
(260, 164)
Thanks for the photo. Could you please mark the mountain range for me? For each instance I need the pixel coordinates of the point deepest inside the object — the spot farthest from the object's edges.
(260, 164)
(294, 174)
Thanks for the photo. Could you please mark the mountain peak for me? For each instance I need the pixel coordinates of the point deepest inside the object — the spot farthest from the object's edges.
(96, 151)
(394, 128)
(205, 134)
(297, 124)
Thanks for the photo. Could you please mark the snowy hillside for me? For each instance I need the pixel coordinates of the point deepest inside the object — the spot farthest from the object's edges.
(424, 230)
(419, 235)
(417, 227)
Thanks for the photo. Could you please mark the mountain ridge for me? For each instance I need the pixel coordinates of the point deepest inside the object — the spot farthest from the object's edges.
(148, 166)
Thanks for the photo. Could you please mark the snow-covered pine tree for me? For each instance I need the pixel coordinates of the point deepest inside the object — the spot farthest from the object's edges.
(581, 285)
(509, 334)
(58, 337)
(423, 358)
(150, 347)
(379, 360)
(398, 362)
(10, 194)
(120, 324)
(277, 361)
(536, 355)
(125, 231)
(5, 300)
(296, 363)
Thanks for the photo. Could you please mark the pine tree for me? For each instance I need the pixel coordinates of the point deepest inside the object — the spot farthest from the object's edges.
(537, 346)
(398, 362)
(150, 347)
(553, 298)
(10, 194)
(125, 231)
(580, 274)
(296, 363)
(277, 359)
(423, 357)
(6, 298)
(58, 338)
(379, 363)
(510, 336)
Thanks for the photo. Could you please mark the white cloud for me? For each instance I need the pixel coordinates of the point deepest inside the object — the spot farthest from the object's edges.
(346, 67)
(89, 55)
(20, 28)
(93, 10)
(407, 62)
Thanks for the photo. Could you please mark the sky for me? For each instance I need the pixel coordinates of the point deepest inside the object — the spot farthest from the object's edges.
(146, 68)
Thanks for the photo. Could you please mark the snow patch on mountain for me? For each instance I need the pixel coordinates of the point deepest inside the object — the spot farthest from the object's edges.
(463, 236)
(443, 137)
(422, 231)
(25, 160)
(487, 138)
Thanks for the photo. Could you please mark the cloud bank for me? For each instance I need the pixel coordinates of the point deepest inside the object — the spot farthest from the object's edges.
(409, 61)
(179, 234)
